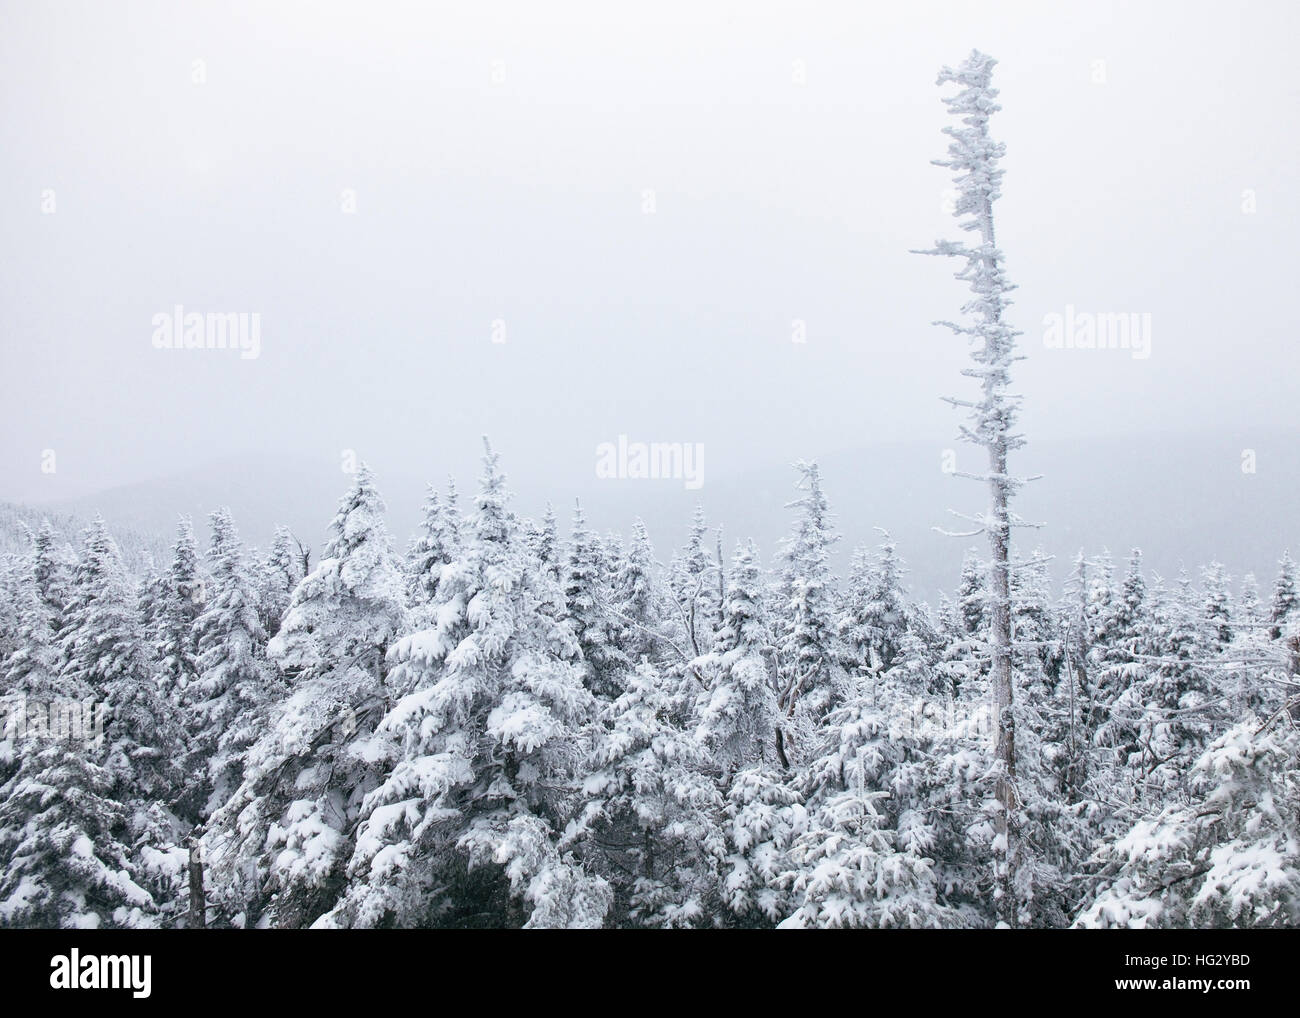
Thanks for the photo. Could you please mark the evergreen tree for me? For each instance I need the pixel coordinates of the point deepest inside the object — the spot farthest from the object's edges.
(637, 616)
(280, 575)
(33, 669)
(546, 546)
(1101, 609)
(1038, 649)
(278, 848)
(652, 812)
(972, 597)
(1282, 607)
(479, 752)
(813, 681)
(84, 839)
(74, 851)
(864, 860)
(1174, 725)
(152, 602)
(1217, 610)
(739, 719)
(874, 623)
(693, 585)
(231, 695)
(104, 652)
(1119, 647)
(586, 595)
(184, 596)
(52, 568)
(1227, 856)
(1248, 604)
(11, 598)
(434, 547)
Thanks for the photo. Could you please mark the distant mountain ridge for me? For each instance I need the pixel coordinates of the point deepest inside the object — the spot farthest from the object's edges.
(1183, 500)
(19, 522)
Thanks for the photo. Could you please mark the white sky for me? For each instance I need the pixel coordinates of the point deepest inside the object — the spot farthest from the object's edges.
(522, 201)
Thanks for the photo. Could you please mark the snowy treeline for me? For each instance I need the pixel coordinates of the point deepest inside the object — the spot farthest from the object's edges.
(509, 725)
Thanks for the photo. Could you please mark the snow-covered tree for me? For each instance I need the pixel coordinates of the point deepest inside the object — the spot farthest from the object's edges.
(740, 723)
(278, 847)
(1216, 607)
(874, 622)
(279, 576)
(183, 597)
(545, 544)
(1123, 640)
(482, 747)
(739, 719)
(32, 670)
(586, 598)
(1170, 705)
(75, 851)
(650, 822)
(434, 546)
(864, 860)
(85, 840)
(52, 567)
(1285, 598)
(974, 157)
(104, 652)
(1227, 857)
(1248, 603)
(637, 615)
(230, 697)
(692, 582)
(812, 677)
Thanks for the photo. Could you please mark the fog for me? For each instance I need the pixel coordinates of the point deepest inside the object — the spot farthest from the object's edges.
(556, 224)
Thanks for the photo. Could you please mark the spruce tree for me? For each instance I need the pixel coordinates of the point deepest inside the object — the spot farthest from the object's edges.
(230, 698)
(279, 846)
(813, 681)
(184, 596)
(638, 615)
(52, 569)
(651, 815)
(434, 546)
(103, 650)
(85, 838)
(280, 574)
(586, 597)
(1227, 855)
(1217, 606)
(864, 859)
(478, 754)
(1284, 598)
(693, 585)
(739, 719)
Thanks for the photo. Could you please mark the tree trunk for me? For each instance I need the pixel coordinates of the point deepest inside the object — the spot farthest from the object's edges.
(999, 533)
(722, 586)
(1003, 688)
(198, 905)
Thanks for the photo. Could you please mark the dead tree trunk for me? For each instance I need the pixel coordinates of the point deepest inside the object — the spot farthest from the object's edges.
(974, 155)
(198, 904)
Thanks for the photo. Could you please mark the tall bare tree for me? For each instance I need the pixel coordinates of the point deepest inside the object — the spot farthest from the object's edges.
(974, 156)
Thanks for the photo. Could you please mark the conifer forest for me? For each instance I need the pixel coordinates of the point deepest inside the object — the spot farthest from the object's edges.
(519, 719)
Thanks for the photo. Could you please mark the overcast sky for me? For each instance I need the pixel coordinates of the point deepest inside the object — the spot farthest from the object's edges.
(500, 157)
